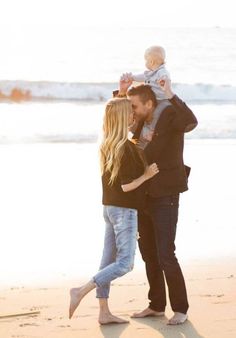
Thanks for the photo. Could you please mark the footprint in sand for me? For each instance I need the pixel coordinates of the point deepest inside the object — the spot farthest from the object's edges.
(218, 296)
(28, 324)
(63, 326)
(37, 308)
(132, 300)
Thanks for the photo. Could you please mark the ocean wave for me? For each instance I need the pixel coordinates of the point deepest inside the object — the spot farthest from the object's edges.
(93, 138)
(96, 92)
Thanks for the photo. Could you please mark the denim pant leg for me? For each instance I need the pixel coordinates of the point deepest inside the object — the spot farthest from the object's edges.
(124, 223)
(164, 215)
(109, 254)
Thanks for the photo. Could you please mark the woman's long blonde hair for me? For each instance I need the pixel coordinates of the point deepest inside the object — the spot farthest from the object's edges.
(115, 135)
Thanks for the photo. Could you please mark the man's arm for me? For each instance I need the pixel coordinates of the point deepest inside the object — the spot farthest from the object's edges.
(121, 92)
(184, 120)
(124, 84)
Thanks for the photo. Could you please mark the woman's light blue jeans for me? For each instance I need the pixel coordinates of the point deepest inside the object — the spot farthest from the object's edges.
(119, 247)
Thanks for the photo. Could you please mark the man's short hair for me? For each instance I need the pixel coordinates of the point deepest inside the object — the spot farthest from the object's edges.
(144, 92)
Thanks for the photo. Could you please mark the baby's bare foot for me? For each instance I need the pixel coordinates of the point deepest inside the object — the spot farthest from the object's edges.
(147, 313)
(178, 318)
(108, 318)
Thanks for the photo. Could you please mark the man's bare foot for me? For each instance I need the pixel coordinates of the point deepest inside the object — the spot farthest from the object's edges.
(178, 318)
(108, 318)
(147, 313)
(76, 295)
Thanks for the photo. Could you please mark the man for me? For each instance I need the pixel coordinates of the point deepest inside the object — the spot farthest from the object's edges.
(160, 128)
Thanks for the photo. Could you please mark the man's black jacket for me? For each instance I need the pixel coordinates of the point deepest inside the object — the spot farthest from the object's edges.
(166, 149)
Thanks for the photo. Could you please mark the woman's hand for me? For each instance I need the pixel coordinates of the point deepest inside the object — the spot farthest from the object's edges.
(151, 171)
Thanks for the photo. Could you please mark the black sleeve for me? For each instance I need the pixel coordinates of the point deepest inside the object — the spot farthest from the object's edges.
(175, 118)
(126, 169)
(184, 120)
(115, 93)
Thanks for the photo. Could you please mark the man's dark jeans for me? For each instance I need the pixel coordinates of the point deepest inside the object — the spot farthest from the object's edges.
(157, 229)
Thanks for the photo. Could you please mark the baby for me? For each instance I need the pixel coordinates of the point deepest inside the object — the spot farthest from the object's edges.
(155, 63)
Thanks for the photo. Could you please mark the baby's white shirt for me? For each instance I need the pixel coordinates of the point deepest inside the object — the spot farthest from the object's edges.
(151, 78)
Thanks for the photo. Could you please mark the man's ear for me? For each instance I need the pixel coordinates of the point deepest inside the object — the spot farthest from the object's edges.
(149, 104)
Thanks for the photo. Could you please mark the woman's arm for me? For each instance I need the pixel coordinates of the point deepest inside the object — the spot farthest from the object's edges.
(150, 171)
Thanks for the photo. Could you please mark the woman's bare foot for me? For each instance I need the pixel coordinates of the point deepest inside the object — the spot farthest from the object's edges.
(147, 313)
(178, 318)
(108, 318)
(76, 295)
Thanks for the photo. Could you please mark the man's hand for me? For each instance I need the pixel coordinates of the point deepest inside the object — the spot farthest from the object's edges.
(165, 84)
(125, 82)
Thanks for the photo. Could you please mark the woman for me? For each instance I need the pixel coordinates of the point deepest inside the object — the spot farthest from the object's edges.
(123, 175)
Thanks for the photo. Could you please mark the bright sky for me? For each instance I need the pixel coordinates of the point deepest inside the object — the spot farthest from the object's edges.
(120, 12)
(29, 29)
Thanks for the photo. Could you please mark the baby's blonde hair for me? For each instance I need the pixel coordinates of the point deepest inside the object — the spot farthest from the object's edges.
(157, 52)
(115, 135)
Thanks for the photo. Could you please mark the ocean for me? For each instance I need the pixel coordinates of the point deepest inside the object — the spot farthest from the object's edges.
(70, 85)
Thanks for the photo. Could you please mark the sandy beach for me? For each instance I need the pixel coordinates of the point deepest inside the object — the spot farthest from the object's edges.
(212, 296)
(51, 241)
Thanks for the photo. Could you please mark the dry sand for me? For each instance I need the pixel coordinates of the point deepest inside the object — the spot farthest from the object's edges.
(212, 296)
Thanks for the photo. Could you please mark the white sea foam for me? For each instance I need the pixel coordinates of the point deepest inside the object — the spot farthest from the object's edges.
(199, 92)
